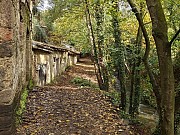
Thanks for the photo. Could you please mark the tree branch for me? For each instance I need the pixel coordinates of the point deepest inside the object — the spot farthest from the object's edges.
(175, 36)
(147, 23)
(141, 23)
(145, 58)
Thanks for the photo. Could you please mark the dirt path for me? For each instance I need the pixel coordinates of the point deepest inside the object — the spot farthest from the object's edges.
(63, 108)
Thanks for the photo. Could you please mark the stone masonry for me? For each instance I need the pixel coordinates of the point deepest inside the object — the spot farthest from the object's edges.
(15, 58)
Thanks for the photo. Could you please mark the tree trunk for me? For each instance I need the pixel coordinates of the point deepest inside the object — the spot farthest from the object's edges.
(131, 101)
(119, 62)
(100, 43)
(93, 45)
(159, 29)
(137, 77)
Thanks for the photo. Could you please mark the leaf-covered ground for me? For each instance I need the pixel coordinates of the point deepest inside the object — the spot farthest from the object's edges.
(63, 108)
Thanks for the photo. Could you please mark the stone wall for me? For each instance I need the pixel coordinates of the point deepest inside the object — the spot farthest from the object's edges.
(50, 61)
(15, 58)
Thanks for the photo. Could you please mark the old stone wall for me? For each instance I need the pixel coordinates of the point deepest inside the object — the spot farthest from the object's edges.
(15, 58)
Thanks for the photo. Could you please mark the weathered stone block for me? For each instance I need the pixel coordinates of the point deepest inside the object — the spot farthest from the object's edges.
(5, 73)
(6, 49)
(6, 13)
(5, 121)
(1, 85)
(2, 74)
(6, 110)
(6, 97)
(8, 131)
(6, 34)
(7, 126)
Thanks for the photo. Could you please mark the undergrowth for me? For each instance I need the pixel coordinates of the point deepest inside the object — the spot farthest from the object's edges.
(22, 106)
(83, 82)
(31, 85)
(22, 103)
(115, 98)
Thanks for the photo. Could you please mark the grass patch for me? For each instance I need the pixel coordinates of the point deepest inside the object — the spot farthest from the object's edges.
(83, 82)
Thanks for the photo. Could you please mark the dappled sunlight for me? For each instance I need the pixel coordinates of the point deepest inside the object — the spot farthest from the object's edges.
(90, 66)
(61, 87)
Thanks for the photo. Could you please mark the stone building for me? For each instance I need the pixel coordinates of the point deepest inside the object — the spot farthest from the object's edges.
(50, 61)
(15, 57)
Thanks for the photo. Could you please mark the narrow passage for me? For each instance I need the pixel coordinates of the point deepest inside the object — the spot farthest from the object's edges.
(63, 108)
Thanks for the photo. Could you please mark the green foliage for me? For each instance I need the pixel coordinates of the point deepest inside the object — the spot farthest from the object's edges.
(177, 88)
(39, 34)
(83, 82)
(30, 85)
(177, 122)
(148, 96)
(22, 106)
(124, 115)
(71, 28)
(172, 13)
(157, 131)
(65, 22)
(115, 97)
(176, 64)
(35, 10)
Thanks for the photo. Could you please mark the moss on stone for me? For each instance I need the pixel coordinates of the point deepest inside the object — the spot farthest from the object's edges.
(22, 106)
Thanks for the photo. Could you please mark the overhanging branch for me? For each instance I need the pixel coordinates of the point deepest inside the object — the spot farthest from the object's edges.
(175, 36)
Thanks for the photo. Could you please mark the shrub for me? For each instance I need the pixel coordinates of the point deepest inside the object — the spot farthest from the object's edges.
(115, 97)
(82, 82)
